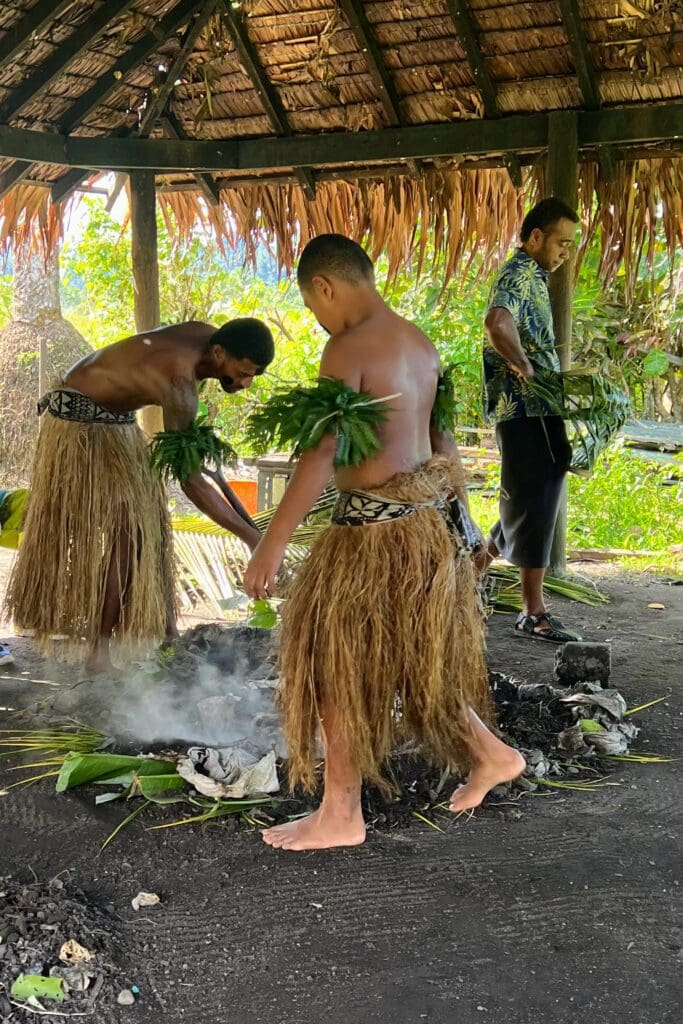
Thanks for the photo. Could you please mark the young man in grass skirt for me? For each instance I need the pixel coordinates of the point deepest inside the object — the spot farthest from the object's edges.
(96, 557)
(385, 605)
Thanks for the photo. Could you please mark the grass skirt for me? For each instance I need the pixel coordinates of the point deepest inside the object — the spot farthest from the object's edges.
(91, 484)
(379, 612)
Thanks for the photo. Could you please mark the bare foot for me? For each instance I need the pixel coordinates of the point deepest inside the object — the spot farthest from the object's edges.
(99, 663)
(484, 776)
(318, 831)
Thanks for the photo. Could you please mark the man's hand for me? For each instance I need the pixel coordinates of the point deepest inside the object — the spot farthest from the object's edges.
(259, 579)
(524, 369)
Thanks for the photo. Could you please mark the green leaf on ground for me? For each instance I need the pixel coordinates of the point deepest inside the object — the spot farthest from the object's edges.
(38, 987)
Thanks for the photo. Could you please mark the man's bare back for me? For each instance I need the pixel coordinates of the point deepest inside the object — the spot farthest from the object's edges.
(388, 356)
(138, 371)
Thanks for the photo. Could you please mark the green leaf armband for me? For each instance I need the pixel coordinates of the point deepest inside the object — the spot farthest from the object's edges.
(298, 419)
(179, 454)
(445, 408)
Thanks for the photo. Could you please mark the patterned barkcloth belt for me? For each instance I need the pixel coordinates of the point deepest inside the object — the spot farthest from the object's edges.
(67, 404)
(354, 508)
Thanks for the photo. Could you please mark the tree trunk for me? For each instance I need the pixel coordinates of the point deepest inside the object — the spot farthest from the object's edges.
(145, 260)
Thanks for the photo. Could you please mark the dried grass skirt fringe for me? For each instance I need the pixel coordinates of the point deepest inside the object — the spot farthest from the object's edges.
(380, 612)
(91, 485)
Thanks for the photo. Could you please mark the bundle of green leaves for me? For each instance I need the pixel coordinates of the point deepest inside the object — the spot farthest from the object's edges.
(298, 419)
(595, 410)
(179, 454)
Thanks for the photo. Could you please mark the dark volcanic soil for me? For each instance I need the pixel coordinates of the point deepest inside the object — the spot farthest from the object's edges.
(558, 909)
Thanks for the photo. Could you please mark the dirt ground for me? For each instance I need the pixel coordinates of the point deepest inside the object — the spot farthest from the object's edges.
(560, 908)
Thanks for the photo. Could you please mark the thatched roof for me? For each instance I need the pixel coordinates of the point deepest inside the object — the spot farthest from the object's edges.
(366, 76)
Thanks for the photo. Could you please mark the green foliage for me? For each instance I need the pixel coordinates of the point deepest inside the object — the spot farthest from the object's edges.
(179, 454)
(453, 319)
(629, 502)
(298, 419)
(262, 614)
(444, 411)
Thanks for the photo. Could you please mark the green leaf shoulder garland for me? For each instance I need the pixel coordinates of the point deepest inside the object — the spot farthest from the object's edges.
(179, 454)
(298, 419)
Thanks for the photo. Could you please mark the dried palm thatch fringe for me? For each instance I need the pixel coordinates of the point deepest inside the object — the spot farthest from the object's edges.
(91, 484)
(447, 216)
(378, 613)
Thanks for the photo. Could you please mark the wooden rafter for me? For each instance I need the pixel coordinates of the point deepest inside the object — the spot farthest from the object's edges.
(100, 91)
(620, 126)
(138, 53)
(377, 69)
(158, 98)
(55, 65)
(469, 38)
(18, 36)
(585, 72)
(174, 130)
(360, 26)
(578, 44)
(10, 177)
(269, 98)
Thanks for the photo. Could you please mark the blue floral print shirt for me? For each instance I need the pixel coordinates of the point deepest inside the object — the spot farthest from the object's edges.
(521, 287)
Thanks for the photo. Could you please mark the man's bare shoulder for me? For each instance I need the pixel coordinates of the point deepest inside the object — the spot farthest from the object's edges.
(191, 330)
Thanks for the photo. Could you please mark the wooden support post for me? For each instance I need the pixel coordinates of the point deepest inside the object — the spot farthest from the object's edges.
(561, 179)
(145, 261)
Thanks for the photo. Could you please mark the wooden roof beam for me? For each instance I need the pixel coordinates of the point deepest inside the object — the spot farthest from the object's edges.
(207, 185)
(578, 44)
(585, 72)
(102, 89)
(267, 94)
(160, 97)
(112, 79)
(467, 34)
(360, 26)
(526, 133)
(10, 176)
(20, 35)
(84, 36)
(157, 99)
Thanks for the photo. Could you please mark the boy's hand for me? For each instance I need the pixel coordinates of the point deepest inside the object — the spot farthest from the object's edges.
(259, 579)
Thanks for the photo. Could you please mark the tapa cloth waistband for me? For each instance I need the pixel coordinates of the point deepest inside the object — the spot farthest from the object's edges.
(68, 404)
(355, 508)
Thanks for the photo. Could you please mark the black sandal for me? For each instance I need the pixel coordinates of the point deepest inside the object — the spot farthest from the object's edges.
(551, 629)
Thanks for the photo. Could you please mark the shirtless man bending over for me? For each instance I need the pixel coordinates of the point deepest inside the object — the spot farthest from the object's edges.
(96, 556)
(384, 607)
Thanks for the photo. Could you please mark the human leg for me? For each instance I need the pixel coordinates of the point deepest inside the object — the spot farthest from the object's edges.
(493, 762)
(115, 589)
(339, 819)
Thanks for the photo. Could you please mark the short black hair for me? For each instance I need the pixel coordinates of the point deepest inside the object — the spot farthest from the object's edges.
(545, 214)
(246, 338)
(336, 255)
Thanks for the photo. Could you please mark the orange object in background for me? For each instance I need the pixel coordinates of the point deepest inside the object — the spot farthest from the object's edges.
(247, 492)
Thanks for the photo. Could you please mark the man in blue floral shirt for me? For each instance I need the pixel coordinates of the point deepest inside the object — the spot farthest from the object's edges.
(535, 453)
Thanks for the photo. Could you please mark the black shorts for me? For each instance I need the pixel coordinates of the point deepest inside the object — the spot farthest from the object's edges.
(535, 456)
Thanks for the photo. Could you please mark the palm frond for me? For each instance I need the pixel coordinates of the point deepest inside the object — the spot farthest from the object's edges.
(594, 408)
